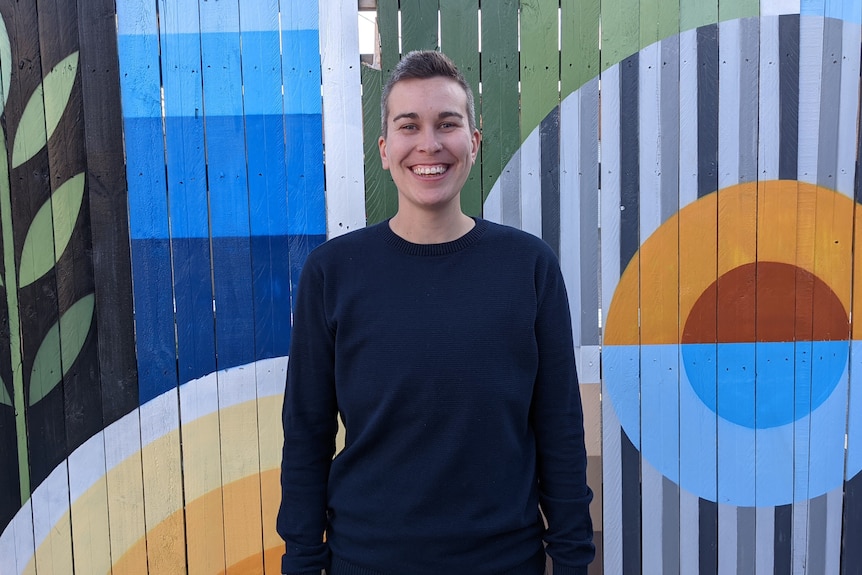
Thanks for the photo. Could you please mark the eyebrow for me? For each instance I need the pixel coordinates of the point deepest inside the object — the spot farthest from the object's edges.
(440, 116)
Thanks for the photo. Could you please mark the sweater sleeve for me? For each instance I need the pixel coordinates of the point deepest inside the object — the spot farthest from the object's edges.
(558, 423)
(310, 425)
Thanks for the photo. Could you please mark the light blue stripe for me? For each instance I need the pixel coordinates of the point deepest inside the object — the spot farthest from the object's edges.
(258, 16)
(847, 10)
(300, 15)
(136, 17)
(301, 72)
(261, 74)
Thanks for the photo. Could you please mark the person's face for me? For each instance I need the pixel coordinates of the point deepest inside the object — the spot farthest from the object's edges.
(429, 147)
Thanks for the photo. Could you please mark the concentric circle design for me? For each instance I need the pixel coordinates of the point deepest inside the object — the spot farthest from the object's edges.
(760, 326)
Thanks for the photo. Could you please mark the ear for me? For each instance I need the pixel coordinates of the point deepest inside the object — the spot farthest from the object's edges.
(384, 159)
(476, 137)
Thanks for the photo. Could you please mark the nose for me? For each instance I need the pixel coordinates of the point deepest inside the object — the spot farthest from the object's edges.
(430, 143)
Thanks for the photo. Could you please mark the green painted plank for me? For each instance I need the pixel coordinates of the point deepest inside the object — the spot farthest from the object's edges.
(696, 13)
(659, 19)
(540, 62)
(620, 35)
(459, 39)
(579, 57)
(381, 198)
(733, 9)
(500, 133)
(387, 25)
(419, 25)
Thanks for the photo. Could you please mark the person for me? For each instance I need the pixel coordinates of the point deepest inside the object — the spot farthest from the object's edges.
(444, 343)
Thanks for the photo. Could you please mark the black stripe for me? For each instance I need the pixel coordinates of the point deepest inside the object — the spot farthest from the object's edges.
(788, 96)
(629, 161)
(707, 519)
(851, 556)
(707, 110)
(631, 505)
(783, 546)
(549, 134)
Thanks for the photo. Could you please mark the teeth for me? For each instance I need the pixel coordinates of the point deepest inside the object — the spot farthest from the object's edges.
(429, 170)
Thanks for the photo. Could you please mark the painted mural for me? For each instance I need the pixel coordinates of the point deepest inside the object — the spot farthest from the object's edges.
(168, 165)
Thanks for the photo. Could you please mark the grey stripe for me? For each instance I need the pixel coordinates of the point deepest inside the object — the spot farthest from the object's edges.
(746, 539)
(816, 560)
(749, 81)
(510, 192)
(830, 105)
(670, 527)
(707, 109)
(669, 127)
(589, 213)
(549, 135)
(788, 45)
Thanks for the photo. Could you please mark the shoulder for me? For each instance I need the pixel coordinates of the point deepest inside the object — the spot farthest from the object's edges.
(344, 248)
(504, 237)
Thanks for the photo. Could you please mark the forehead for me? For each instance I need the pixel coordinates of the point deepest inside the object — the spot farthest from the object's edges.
(420, 95)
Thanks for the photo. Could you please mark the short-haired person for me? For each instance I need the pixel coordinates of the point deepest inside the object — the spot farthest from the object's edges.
(445, 344)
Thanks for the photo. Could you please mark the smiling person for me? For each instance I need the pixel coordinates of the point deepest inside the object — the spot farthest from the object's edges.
(444, 343)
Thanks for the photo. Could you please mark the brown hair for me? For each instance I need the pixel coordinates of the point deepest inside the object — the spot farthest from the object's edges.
(422, 64)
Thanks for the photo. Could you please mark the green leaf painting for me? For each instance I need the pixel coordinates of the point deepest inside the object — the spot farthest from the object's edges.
(55, 219)
(5, 63)
(42, 115)
(4, 394)
(61, 348)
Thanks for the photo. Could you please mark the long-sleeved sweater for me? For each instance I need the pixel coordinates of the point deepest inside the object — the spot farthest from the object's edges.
(452, 368)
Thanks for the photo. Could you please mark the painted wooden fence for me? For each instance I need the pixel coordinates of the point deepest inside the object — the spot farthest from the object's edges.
(694, 164)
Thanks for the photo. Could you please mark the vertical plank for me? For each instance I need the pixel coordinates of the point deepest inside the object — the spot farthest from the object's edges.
(540, 63)
(499, 98)
(419, 25)
(381, 200)
(227, 181)
(579, 44)
(267, 178)
(459, 39)
(620, 32)
(342, 108)
(179, 27)
(696, 13)
(140, 90)
(301, 65)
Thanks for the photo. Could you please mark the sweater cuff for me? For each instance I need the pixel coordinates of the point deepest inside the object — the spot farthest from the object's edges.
(567, 570)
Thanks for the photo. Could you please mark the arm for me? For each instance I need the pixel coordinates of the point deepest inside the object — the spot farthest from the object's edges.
(309, 420)
(558, 422)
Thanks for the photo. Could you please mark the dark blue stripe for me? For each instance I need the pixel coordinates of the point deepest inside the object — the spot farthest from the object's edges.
(788, 96)
(707, 110)
(549, 136)
(252, 318)
(631, 506)
(783, 544)
(267, 176)
(629, 160)
(187, 186)
(154, 318)
(707, 537)
(851, 558)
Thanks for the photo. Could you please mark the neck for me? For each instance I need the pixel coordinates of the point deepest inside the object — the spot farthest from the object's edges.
(430, 228)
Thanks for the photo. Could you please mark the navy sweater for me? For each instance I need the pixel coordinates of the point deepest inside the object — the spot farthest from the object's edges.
(453, 370)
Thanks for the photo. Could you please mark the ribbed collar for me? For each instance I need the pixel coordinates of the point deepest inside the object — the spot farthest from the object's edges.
(409, 248)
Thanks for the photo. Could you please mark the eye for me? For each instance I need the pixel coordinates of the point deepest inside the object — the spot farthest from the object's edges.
(408, 127)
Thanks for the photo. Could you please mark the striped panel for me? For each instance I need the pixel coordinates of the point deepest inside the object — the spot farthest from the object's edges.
(345, 207)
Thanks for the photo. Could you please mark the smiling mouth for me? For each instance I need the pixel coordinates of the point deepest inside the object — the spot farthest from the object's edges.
(430, 170)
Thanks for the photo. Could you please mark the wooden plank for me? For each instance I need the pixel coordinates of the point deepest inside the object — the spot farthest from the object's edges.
(697, 13)
(579, 43)
(381, 198)
(140, 87)
(232, 272)
(499, 98)
(620, 32)
(390, 42)
(342, 107)
(540, 63)
(419, 25)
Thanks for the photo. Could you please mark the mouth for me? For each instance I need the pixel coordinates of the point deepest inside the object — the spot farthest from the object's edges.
(434, 170)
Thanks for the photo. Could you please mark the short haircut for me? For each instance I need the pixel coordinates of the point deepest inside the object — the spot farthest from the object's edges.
(420, 65)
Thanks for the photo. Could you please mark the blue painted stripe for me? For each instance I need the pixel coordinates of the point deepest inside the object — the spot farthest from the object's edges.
(154, 318)
(301, 74)
(260, 15)
(187, 190)
(847, 10)
(270, 166)
(273, 271)
(261, 74)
